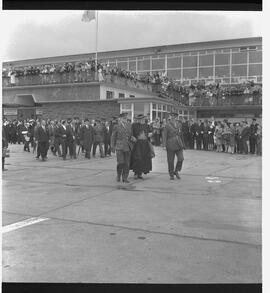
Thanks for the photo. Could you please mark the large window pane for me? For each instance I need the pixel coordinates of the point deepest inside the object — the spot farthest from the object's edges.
(190, 73)
(255, 69)
(174, 62)
(222, 59)
(206, 72)
(239, 70)
(255, 56)
(222, 71)
(158, 64)
(239, 58)
(174, 74)
(122, 65)
(206, 60)
(139, 108)
(126, 106)
(190, 61)
(132, 65)
(144, 64)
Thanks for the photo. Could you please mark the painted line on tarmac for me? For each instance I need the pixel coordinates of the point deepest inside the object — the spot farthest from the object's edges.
(22, 224)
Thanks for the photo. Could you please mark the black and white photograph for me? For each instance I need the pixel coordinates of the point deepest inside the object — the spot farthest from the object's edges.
(132, 146)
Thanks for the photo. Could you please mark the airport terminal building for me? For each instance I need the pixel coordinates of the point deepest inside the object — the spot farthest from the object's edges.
(224, 61)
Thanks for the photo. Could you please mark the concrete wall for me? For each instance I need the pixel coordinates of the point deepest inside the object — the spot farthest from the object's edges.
(91, 110)
(52, 93)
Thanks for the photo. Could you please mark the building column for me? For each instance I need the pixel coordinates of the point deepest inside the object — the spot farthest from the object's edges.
(150, 64)
(136, 64)
(230, 66)
(128, 63)
(214, 66)
(247, 64)
(181, 68)
(151, 109)
(166, 67)
(132, 112)
(198, 61)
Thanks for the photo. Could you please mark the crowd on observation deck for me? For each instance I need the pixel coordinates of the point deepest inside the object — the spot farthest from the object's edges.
(199, 94)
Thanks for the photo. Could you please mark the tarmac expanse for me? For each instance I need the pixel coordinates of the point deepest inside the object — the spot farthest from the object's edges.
(70, 221)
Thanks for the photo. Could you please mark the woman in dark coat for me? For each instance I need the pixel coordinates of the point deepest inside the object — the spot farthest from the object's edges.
(141, 155)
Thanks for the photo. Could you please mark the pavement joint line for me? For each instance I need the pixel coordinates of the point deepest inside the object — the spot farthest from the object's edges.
(160, 232)
(153, 172)
(75, 202)
(22, 224)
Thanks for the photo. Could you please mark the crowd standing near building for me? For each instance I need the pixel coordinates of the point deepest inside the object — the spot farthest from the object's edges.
(198, 93)
(132, 142)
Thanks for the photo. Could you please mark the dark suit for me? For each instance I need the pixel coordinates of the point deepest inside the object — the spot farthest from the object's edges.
(200, 136)
(63, 133)
(87, 139)
(253, 138)
(43, 137)
(71, 140)
(172, 133)
(244, 137)
(206, 137)
(107, 141)
(98, 139)
(120, 141)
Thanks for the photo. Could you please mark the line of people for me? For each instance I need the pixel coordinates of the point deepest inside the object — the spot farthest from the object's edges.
(62, 137)
(211, 135)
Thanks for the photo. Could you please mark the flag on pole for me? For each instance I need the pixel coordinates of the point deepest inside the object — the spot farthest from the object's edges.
(89, 15)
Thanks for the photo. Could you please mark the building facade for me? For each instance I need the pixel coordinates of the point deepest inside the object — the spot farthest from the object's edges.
(224, 61)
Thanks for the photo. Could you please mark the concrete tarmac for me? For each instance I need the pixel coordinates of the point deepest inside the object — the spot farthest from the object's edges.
(204, 228)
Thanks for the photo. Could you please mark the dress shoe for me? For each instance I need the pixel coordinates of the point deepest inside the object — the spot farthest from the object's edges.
(125, 181)
(118, 178)
(171, 178)
(139, 177)
(177, 175)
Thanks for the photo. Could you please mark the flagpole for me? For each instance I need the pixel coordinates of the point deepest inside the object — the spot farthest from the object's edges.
(96, 38)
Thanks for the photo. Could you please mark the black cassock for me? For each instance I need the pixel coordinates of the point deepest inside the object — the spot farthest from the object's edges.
(140, 161)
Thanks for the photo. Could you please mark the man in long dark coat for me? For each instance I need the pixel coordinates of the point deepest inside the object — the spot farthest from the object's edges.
(140, 161)
(87, 137)
(43, 137)
(174, 142)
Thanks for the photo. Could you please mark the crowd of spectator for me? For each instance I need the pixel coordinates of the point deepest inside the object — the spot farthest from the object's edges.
(199, 94)
(220, 136)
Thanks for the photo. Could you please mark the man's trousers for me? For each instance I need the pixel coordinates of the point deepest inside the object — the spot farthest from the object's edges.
(123, 161)
(170, 160)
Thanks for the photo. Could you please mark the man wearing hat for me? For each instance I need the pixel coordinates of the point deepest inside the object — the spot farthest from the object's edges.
(71, 137)
(142, 152)
(122, 143)
(87, 137)
(253, 136)
(174, 142)
(43, 137)
(244, 137)
(98, 138)
(63, 138)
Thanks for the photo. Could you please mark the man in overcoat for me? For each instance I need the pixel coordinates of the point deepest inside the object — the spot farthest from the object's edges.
(71, 138)
(174, 142)
(43, 137)
(87, 137)
(121, 142)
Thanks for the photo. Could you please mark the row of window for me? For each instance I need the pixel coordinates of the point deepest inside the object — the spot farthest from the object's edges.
(111, 95)
(217, 71)
(189, 61)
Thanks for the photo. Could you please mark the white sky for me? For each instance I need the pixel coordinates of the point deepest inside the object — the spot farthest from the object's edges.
(33, 34)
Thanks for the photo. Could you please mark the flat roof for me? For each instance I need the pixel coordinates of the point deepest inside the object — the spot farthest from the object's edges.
(227, 43)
